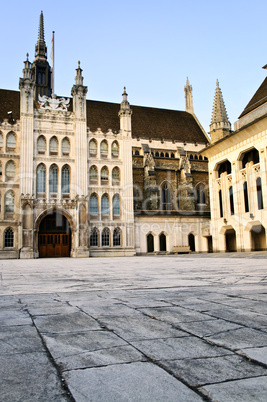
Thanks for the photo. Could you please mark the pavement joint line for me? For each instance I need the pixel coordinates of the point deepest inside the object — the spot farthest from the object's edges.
(66, 391)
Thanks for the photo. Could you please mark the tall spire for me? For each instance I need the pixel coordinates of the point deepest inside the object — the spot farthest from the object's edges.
(40, 47)
(220, 125)
(188, 97)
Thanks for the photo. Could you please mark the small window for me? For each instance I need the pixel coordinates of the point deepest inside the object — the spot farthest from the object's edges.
(205, 158)
(9, 238)
(105, 237)
(93, 147)
(104, 148)
(116, 176)
(93, 204)
(10, 170)
(136, 152)
(1, 169)
(115, 149)
(9, 202)
(65, 146)
(116, 205)
(157, 154)
(53, 146)
(1, 140)
(41, 145)
(162, 154)
(104, 175)
(191, 157)
(116, 237)
(11, 141)
(105, 205)
(94, 238)
(196, 157)
(93, 174)
(167, 155)
(172, 155)
(200, 157)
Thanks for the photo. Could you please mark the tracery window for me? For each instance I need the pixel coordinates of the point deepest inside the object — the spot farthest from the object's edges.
(93, 174)
(115, 149)
(166, 197)
(9, 202)
(1, 140)
(104, 175)
(105, 237)
(116, 205)
(200, 194)
(41, 145)
(105, 205)
(104, 148)
(41, 178)
(65, 180)
(53, 146)
(11, 141)
(93, 204)
(65, 146)
(116, 176)
(10, 170)
(94, 238)
(53, 179)
(93, 147)
(116, 237)
(8, 238)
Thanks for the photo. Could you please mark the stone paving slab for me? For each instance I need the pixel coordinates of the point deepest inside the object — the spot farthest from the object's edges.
(128, 382)
(19, 339)
(257, 354)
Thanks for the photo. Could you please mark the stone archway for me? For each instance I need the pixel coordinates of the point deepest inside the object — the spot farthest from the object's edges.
(54, 237)
(150, 243)
(258, 238)
(230, 240)
(191, 241)
(162, 242)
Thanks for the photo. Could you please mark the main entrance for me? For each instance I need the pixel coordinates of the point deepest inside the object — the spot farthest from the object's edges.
(54, 237)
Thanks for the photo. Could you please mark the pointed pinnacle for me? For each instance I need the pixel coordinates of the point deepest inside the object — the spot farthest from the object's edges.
(41, 28)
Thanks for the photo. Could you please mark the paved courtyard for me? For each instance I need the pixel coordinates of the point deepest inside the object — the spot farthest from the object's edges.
(162, 328)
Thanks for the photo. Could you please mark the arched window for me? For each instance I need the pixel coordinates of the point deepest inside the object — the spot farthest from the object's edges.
(93, 174)
(231, 197)
(10, 170)
(191, 241)
(172, 155)
(200, 194)
(116, 208)
(167, 155)
(93, 147)
(116, 237)
(10, 141)
(136, 152)
(224, 167)
(250, 156)
(53, 146)
(166, 197)
(8, 238)
(191, 156)
(196, 157)
(115, 149)
(9, 202)
(104, 148)
(93, 204)
(150, 243)
(245, 190)
(1, 140)
(115, 176)
(157, 154)
(221, 203)
(105, 237)
(205, 158)
(40, 179)
(162, 154)
(162, 242)
(65, 146)
(53, 179)
(94, 238)
(41, 145)
(1, 172)
(65, 180)
(259, 193)
(104, 175)
(200, 158)
(105, 205)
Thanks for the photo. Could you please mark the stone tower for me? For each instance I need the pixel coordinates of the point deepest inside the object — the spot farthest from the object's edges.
(220, 125)
(41, 70)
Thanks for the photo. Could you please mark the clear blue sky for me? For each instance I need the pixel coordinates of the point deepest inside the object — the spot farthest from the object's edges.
(149, 46)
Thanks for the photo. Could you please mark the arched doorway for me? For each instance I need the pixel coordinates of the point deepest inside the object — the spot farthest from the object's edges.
(162, 242)
(54, 238)
(230, 240)
(191, 241)
(150, 243)
(258, 238)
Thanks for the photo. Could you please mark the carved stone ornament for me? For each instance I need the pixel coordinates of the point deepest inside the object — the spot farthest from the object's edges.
(149, 161)
(53, 103)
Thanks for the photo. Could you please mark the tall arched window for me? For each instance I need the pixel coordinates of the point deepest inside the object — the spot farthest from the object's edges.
(10, 170)
(93, 147)
(9, 202)
(53, 146)
(105, 205)
(104, 148)
(259, 193)
(1, 140)
(1, 172)
(116, 237)
(105, 237)
(115, 149)
(65, 180)
(221, 203)
(65, 146)
(245, 190)
(94, 238)
(41, 178)
(116, 205)
(115, 176)
(104, 175)
(8, 238)
(41, 145)
(231, 197)
(10, 141)
(166, 197)
(53, 179)
(93, 174)
(200, 194)
(93, 204)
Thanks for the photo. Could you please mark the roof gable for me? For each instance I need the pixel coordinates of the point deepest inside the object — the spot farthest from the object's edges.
(258, 99)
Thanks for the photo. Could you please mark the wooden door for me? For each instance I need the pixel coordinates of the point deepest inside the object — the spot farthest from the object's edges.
(54, 245)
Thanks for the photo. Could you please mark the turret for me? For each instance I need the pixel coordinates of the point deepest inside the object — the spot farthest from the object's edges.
(125, 114)
(220, 125)
(41, 70)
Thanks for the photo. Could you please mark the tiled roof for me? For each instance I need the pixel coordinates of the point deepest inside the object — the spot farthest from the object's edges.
(259, 98)
(146, 122)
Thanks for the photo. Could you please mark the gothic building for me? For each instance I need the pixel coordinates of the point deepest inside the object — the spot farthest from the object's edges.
(86, 178)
